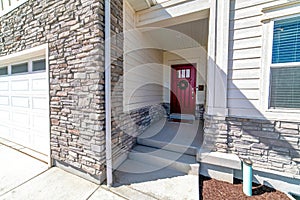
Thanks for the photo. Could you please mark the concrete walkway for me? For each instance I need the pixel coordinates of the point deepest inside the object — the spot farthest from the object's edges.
(23, 177)
(163, 184)
(56, 184)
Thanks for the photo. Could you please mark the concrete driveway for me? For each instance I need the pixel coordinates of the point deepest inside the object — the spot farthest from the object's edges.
(17, 168)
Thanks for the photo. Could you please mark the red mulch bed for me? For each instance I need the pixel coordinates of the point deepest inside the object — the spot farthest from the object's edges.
(215, 190)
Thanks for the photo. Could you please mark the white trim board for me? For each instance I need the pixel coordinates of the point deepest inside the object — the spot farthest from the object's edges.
(27, 54)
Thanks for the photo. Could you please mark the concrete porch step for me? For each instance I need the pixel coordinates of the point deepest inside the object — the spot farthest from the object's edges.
(140, 171)
(178, 148)
(161, 158)
(164, 183)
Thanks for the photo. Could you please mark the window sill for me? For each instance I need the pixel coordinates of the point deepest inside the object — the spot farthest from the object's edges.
(282, 110)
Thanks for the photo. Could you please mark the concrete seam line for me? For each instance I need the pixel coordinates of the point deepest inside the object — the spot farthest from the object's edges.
(115, 193)
(92, 193)
(24, 182)
(143, 192)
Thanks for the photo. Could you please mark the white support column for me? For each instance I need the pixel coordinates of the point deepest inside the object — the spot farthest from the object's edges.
(211, 57)
(218, 58)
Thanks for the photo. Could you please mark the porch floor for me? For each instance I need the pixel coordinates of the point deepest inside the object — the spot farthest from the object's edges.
(174, 136)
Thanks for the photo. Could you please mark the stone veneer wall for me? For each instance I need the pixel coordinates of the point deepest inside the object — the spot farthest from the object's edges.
(74, 31)
(131, 124)
(199, 114)
(273, 145)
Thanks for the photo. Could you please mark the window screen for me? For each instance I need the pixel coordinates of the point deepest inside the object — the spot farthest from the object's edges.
(38, 65)
(286, 41)
(20, 68)
(285, 87)
(3, 71)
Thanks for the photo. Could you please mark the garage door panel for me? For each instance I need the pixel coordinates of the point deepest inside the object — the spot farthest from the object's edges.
(21, 136)
(39, 84)
(39, 142)
(20, 85)
(39, 103)
(4, 101)
(22, 102)
(20, 119)
(4, 115)
(5, 131)
(4, 85)
(39, 122)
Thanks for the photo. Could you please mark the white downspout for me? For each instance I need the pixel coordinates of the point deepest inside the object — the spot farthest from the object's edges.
(107, 55)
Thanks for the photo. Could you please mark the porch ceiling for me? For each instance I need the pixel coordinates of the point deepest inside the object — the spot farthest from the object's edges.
(182, 36)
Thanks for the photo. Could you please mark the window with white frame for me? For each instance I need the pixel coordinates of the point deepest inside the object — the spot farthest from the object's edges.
(30, 66)
(285, 66)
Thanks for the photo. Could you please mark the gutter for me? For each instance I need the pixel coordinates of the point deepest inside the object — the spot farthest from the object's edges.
(107, 58)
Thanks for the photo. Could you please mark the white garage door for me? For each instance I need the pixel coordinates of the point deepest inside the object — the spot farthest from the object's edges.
(24, 117)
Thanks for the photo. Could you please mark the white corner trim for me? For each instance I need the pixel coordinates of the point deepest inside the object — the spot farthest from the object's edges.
(107, 60)
(46, 46)
(27, 54)
(217, 70)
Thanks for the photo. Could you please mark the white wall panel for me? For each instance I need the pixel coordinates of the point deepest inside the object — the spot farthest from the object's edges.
(142, 67)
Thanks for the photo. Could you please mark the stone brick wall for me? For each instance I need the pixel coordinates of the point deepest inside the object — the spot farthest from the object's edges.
(215, 134)
(273, 145)
(73, 30)
(270, 144)
(199, 114)
(132, 124)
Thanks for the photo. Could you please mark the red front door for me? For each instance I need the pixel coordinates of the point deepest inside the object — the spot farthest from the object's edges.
(183, 89)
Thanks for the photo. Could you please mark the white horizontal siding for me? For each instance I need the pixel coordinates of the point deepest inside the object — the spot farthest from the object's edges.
(244, 4)
(250, 52)
(143, 70)
(244, 74)
(243, 103)
(244, 63)
(253, 42)
(245, 33)
(244, 84)
(251, 94)
(245, 52)
(240, 23)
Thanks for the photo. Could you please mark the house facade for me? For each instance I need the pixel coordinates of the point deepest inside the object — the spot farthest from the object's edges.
(79, 86)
